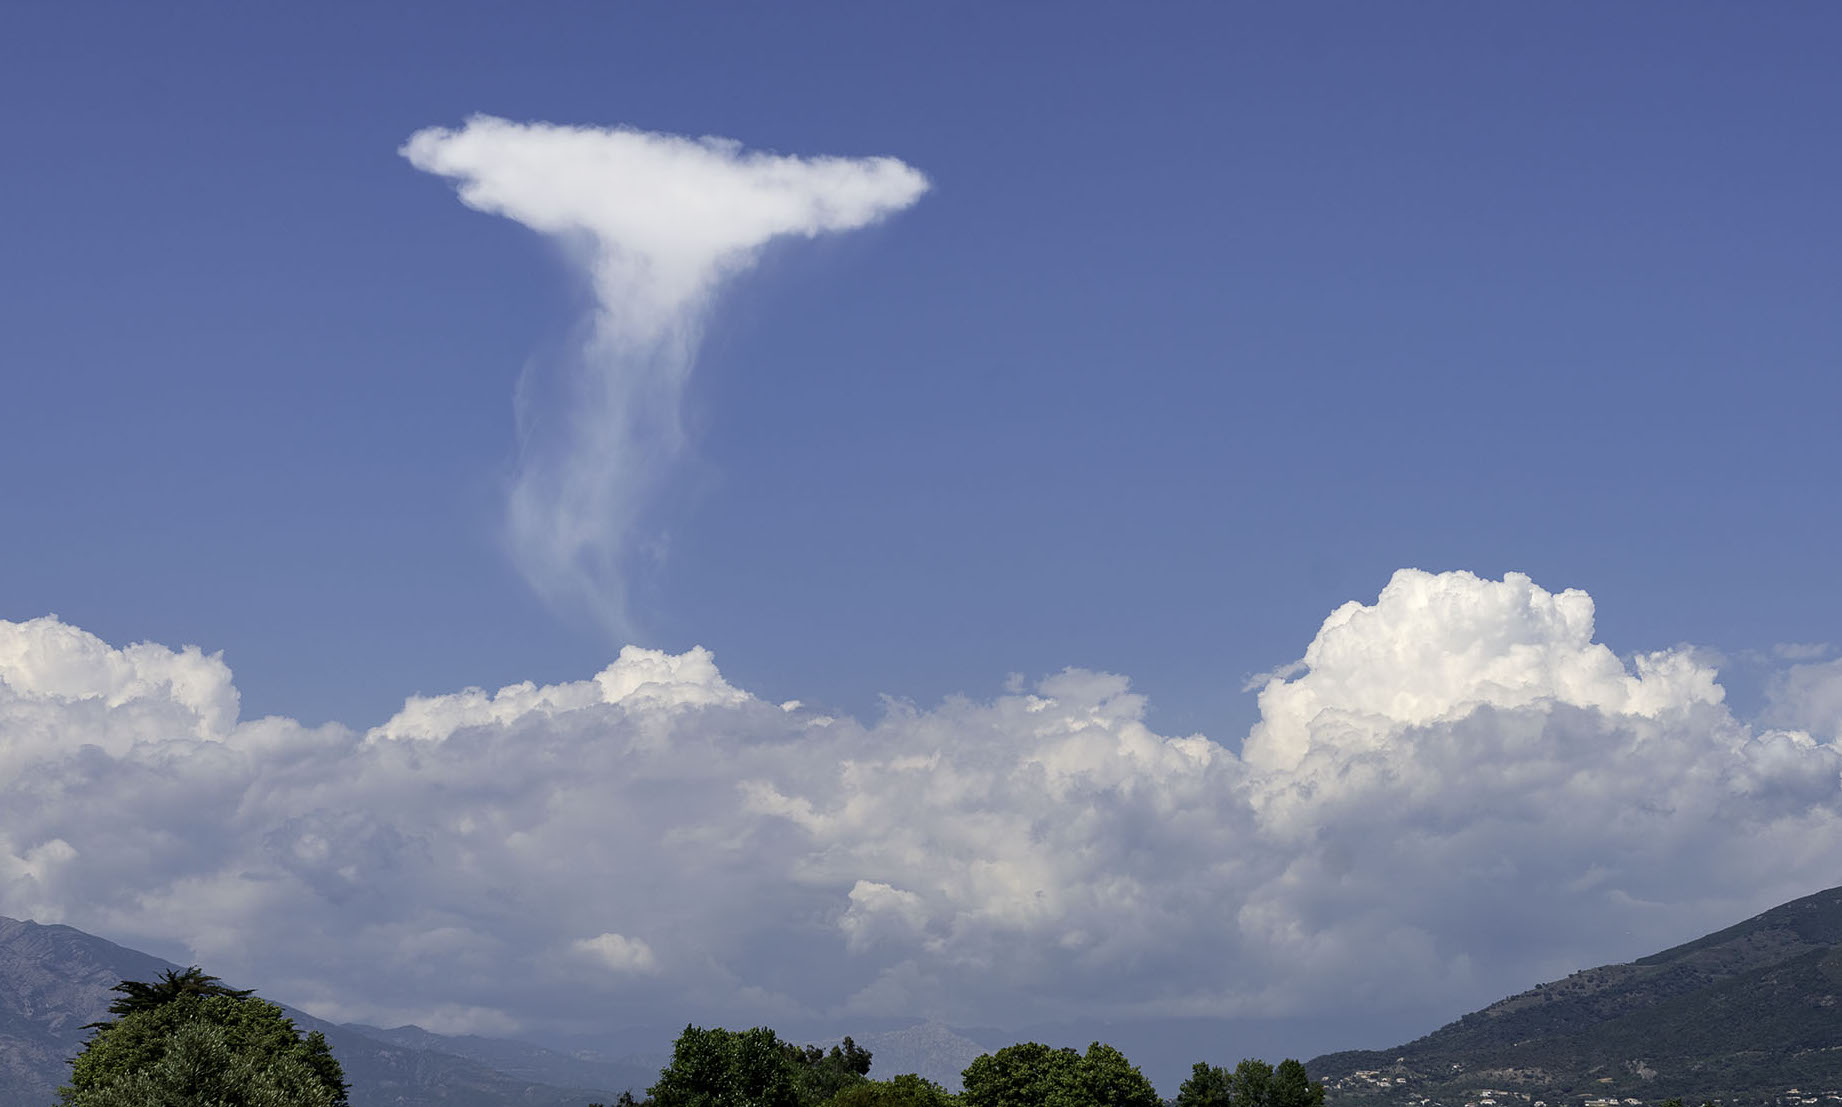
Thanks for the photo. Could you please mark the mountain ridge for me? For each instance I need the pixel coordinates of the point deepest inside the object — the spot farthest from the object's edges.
(44, 1015)
(1742, 1014)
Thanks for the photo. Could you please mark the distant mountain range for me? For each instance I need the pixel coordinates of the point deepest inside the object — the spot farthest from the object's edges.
(1752, 1013)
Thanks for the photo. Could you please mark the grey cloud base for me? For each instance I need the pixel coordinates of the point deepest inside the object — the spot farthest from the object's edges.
(1459, 793)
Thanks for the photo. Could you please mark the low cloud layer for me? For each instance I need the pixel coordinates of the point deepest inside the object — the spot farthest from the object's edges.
(657, 222)
(1457, 794)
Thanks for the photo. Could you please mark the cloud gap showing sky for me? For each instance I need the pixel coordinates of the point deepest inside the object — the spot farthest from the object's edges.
(1457, 793)
(657, 222)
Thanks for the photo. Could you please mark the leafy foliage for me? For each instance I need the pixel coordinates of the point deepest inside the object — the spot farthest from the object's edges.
(1106, 1079)
(754, 1068)
(1292, 1086)
(1252, 1083)
(820, 1076)
(907, 1090)
(223, 1048)
(1208, 1086)
(138, 995)
(1030, 1074)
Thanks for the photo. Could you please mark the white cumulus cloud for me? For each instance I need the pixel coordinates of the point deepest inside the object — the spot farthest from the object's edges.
(1438, 647)
(143, 690)
(1458, 792)
(618, 952)
(657, 221)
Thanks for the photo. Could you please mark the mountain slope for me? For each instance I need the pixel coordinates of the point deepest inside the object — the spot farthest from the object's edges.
(56, 979)
(1743, 1014)
(53, 981)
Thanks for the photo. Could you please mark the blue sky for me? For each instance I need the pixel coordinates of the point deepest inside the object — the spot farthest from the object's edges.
(1212, 318)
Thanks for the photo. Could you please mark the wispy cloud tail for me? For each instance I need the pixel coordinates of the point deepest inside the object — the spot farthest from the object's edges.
(657, 223)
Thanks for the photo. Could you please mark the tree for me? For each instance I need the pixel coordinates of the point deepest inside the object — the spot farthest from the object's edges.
(819, 1076)
(1028, 1074)
(754, 1068)
(1292, 1086)
(222, 1049)
(1107, 1079)
(137, 995)
(1031, 1074)
(1252, 1084)
(1208, 1086)
(723, 1068)
(907, 1090)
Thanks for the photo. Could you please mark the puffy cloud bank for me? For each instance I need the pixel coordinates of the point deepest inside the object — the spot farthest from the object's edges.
(657, 222)
(1458, 792)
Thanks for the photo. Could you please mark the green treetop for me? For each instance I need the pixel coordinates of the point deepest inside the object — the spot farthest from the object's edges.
(754, 1068)
(1208, 1086)
(192, 1049)
(907, 1090)
(1031, 1074)
(1252, 1083)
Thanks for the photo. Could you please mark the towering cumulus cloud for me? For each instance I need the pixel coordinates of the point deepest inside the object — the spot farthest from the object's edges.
(1458, 792)
(658, 221)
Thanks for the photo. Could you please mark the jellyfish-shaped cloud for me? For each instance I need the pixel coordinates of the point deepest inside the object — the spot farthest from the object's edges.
(657, 221)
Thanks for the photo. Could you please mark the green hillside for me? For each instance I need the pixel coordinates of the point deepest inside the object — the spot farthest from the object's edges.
(1744, 1015)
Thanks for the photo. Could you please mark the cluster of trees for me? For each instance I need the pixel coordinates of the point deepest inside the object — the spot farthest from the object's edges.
(1030, 1074)
(754, 1068)
(1251, 1084)
(185, 1039)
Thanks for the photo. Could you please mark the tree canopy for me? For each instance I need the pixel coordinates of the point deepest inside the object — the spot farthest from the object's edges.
(820, 1075)
(1292, 1086)
(1208, 1086)
(754, 1068)
(141, 995)
(1252, 1083)
(1030, 1074)
(907, 1090)
(221, 1048)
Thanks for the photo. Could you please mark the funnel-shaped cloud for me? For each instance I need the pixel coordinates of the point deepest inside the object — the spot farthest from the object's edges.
(657, 221)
